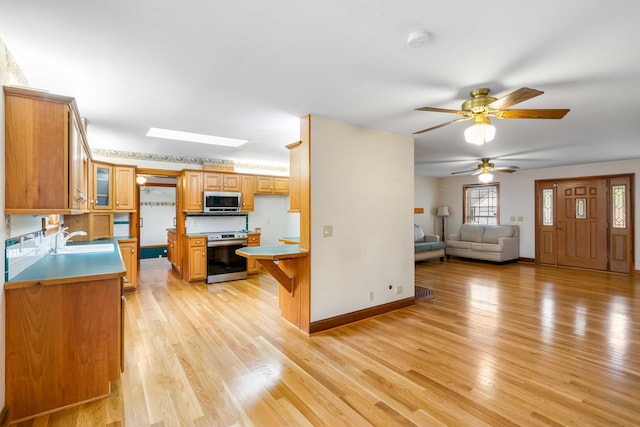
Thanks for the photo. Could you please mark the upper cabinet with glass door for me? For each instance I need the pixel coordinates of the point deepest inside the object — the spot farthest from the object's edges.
(102, 186)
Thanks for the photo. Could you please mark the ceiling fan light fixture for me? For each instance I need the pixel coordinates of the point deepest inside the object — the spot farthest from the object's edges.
(485, 177)
(480, 132)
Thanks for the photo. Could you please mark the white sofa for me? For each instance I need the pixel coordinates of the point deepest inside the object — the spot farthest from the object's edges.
(426, 246)
(497, 243)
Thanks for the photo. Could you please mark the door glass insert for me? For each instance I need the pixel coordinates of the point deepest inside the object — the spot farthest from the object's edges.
(619, 206)
(581, 208)
(547, 206)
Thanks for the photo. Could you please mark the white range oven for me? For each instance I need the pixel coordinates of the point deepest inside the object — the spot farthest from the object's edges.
(223, 264)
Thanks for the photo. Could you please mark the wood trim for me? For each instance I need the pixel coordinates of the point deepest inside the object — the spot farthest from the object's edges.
(3, 415)
(293, 145)
(418, 210)
(211, 167)
(158, 172)
(354, 316)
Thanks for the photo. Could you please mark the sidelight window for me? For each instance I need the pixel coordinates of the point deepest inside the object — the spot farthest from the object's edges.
(547, 206)
(619, 206)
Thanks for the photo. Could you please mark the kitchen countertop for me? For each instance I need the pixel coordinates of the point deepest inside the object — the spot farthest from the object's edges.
(70, 268)
(273, 252)
(290, 240)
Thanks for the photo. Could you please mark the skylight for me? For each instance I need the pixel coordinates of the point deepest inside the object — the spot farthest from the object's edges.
(195, 137)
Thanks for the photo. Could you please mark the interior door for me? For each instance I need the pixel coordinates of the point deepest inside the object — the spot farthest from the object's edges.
(582, 223)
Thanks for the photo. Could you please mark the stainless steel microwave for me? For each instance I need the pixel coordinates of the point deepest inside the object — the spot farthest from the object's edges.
(222, 201)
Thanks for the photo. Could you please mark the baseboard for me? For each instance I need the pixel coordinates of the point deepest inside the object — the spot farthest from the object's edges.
(343, 319)
(529, 260)
(3, 415)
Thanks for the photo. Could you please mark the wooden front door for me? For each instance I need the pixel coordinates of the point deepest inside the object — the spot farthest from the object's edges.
(585, 223)
(582, 224)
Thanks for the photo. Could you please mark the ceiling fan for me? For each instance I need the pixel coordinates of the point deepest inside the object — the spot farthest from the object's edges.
(485, 168)
(481, 106)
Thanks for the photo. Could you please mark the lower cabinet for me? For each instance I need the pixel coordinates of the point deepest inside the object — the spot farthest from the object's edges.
(253, 239)
(63, 344)
(196, 262)
(173, 249)
(128, 250)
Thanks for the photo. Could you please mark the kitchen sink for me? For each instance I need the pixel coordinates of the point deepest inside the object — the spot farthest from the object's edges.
(85, 249)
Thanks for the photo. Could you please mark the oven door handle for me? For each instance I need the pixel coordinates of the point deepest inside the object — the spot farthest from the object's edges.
(215, 243)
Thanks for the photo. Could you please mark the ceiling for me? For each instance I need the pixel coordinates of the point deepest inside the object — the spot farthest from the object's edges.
(251, 69)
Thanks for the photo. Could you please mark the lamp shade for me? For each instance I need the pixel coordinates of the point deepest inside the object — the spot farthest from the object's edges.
(485, 177)
(443, 211)
(482, 131)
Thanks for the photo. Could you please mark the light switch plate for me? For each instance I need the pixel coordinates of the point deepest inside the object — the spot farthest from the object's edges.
(327, 231)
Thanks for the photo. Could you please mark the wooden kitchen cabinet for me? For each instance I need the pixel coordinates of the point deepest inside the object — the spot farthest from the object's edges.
(46, 154)
(195, 265)
(173, 249)
(130, 258)
(216, 181)
(102, 188)
(192, 191)
(272, 185)
(253, 239)
(97, 225)
(248, 189)
(124, 187)
(113, 187)
(63, 344)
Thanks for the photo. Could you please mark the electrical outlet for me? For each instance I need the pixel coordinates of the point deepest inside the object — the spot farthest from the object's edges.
(398, 289)
(370, 296)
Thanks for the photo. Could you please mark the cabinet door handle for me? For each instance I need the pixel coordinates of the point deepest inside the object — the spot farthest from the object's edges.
(203, 253)
(133, 251)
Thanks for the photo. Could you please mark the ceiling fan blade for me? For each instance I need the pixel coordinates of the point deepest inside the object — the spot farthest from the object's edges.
(441, 110)
(467, 171)
(442, 125)
(551, 113)
(508, 168)
(514, 98)
(504, 170)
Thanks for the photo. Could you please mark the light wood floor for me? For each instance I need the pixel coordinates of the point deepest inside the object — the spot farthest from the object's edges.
(497, 345)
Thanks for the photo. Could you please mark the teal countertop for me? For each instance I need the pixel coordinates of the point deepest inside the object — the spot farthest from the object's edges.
(68, 268)
(273, 252)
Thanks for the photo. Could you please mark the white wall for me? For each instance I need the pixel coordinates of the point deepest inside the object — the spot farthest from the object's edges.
(426, 196)
(270, 214)
(517, 196)
(362, 185)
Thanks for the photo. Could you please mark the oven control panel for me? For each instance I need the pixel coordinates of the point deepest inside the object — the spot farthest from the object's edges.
(224, 235)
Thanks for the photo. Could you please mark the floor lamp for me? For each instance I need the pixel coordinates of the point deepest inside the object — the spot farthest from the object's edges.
(443, 212)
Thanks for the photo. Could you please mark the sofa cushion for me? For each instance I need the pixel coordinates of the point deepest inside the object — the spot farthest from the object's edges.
(493, 232)
(428, 246)
(471, 233)
(418, 233)
(486, 247)
(458, 244)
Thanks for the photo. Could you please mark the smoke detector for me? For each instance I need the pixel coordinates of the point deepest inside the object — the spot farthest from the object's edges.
(420, 38)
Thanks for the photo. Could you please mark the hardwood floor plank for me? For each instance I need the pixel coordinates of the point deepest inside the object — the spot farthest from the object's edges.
(515, 344)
